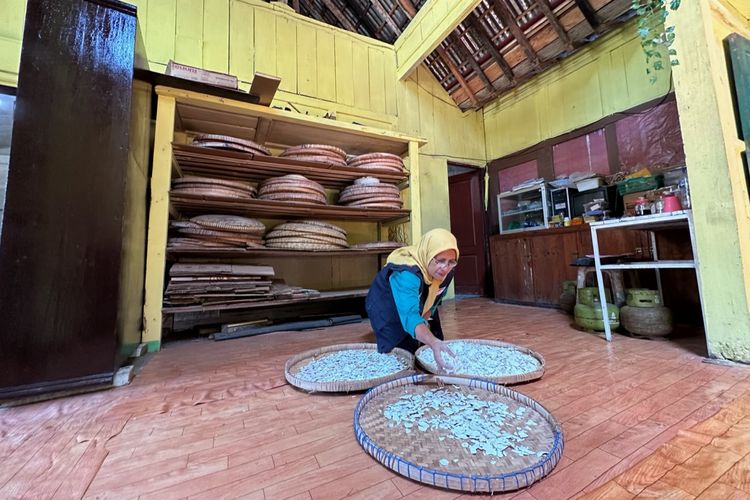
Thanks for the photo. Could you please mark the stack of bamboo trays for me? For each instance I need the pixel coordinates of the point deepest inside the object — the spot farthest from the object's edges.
(217, 231)
(317, 153)
(306, 235)
(292, 188)
(384, 162)
(369, 192)
(211, 188)
(217, 141)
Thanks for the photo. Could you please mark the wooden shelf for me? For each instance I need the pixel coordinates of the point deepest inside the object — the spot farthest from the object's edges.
(652, 264)
(183, 113)
(324, 296)
(190, 205)
(207, 162)
(229, 253)
(196, 112)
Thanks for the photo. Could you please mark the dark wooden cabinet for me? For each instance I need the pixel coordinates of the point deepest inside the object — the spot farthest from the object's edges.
(62, 231)
(511, 269)
(551, 256)
(530, 267)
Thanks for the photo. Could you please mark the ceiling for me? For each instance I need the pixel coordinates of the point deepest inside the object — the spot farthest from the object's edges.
(501, 44)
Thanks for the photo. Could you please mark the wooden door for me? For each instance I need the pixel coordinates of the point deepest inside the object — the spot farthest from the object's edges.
(511, 270)
(551, 256)
(468, 225)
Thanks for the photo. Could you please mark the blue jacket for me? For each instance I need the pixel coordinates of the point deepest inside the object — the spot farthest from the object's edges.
(382, 311)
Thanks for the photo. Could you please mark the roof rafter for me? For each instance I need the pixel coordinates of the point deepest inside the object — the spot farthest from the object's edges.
(589, 13)
(449, 62)
(386, 16)
(546, 8)
(362, 18)
(509, 20)
(340, 16)
(409, 8)
(475, 28)
(464, 54)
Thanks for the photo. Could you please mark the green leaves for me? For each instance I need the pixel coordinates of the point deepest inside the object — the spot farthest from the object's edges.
(656, 38)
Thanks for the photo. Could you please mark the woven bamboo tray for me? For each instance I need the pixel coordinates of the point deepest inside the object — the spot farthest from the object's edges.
(506, 379)
(295, 364)
(438, 458)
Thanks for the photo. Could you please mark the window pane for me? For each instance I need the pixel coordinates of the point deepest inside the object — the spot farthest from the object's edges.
(587, 153)
(509, 177)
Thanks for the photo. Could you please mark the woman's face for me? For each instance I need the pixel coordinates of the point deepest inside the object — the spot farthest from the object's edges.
(442, 264)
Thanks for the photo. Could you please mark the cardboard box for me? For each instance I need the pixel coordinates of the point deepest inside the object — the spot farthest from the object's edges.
(264, 86)
(201, 75)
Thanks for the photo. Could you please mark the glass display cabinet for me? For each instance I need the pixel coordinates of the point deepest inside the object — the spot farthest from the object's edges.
(523, 210)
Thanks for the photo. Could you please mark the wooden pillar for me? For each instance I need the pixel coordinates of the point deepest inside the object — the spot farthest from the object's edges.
(158, 221)
(721, 206)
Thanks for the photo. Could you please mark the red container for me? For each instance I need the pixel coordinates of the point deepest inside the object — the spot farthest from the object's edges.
(671, 203)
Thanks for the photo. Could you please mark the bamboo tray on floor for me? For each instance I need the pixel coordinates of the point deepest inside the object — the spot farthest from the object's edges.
(295, 364)
(498, 379)
(438, 458)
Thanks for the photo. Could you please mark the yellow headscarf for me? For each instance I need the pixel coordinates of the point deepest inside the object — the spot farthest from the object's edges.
(432, 243)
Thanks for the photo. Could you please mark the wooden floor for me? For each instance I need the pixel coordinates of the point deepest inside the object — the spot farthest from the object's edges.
(216, 420)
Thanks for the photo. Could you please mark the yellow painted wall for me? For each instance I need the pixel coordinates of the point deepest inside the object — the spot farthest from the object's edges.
(130, 311)
(602, 79)
(321, 68)
(721, 204)
(12, 14)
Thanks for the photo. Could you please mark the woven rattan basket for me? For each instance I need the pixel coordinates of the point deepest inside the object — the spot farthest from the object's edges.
(505, 380)
(295, 364)
(435, 457)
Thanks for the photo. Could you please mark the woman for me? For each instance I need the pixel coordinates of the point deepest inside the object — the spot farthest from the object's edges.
(404, 296)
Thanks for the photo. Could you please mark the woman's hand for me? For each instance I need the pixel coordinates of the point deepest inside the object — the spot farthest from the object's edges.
(441, 351)
(439, 348)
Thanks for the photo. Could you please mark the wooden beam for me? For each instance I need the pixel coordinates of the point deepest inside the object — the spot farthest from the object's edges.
(509, 20)
(451, 66)
(409, 8)
(546, 8)
(345, 23)
(362, 18)
(589, 13)
(479, 32)
(464, 54)
(427, 30)
(386, 17)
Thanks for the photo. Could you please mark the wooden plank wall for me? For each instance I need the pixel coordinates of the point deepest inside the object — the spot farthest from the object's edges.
(322, 68)
(608, 77)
